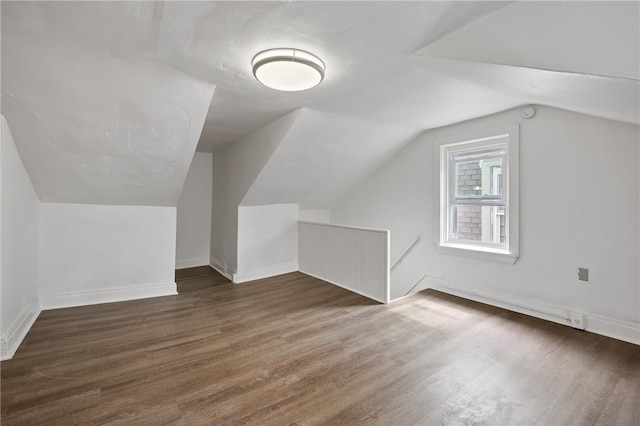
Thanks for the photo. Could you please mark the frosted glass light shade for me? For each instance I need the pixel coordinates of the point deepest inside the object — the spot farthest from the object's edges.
(290, 70)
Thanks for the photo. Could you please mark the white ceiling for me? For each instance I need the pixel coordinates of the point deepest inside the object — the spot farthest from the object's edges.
(94, 121)
(387, 61)
(108, 100)
(599, 38)
(322, 156)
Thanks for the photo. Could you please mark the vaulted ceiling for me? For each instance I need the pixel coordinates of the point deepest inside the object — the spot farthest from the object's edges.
(108, 101)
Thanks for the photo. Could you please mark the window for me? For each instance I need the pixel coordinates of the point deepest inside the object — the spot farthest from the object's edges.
(478, 204)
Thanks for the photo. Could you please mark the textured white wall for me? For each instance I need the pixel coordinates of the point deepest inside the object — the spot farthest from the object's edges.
(193, 231)
(321, 215)
(235, 168)
(579, 186)
(19, 247)
(95, 254)
(267, 241)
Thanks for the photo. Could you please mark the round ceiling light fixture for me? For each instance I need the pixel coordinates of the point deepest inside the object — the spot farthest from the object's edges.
(290, 70)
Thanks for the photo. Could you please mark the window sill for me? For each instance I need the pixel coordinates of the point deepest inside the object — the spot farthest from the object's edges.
(481, 253)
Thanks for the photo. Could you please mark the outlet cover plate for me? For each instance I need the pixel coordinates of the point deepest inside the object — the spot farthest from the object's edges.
(583, 274)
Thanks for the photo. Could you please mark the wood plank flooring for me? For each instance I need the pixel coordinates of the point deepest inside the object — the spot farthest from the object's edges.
(296, 350)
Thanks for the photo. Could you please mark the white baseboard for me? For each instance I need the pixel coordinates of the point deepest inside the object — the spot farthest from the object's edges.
(106, 295)
(270, 271)
(191, 263)
(611, 327)
(222, 269)
(10, 342)
(368, 296)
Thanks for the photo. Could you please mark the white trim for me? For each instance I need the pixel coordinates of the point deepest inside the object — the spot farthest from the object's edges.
(192, 263)
(342, 286)
(477, 253)
(106, 295)
(624, 330)
(387, 280)
(614, 328)
(18, 330)
(221, 269)
(269, 271)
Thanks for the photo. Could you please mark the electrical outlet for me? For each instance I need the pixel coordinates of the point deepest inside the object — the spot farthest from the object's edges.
(577, 320)
(583, 274)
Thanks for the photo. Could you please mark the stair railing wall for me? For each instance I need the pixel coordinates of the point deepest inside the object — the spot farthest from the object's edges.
(354, 258)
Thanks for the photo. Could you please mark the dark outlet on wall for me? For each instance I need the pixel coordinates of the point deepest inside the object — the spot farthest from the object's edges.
(583, 274)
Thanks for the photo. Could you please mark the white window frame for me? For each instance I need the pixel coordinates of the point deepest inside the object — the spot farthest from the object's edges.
(511, 191)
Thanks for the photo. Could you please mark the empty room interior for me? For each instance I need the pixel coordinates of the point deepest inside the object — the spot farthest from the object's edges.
(299, 212)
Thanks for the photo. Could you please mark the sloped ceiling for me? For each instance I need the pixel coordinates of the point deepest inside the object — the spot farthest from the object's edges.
(97, 117)
(322, 156)
(351, 37)
(598, 38)
(107, 100)
(429, 64)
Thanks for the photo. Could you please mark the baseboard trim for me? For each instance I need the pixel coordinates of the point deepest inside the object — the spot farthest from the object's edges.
(221, 269)
(10, 342)
(106, 295)
(270, 271)
(343, 286)
(599, 324)
(614, 328)
(192, 263)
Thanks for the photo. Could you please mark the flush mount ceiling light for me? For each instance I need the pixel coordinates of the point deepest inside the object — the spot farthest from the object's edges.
(290, 70)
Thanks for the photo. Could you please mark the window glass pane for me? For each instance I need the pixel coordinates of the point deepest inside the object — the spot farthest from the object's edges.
(477, 224)
(478, 179)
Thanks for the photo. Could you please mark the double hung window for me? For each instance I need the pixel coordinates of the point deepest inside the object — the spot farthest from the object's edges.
(478, 205)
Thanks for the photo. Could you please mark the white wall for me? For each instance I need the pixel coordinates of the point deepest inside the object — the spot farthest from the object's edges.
(235, 168)
(267, 241)
(95, 254)
(193, 239)
(579, 186)
(318, 215)
(19, 247)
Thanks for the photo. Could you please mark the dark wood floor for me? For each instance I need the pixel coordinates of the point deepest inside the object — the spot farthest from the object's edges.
(295, 350)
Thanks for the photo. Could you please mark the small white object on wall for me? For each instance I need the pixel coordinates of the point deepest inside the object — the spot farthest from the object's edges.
(528, 112)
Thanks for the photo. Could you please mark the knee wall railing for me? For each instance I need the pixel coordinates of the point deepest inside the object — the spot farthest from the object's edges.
(354, 258)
